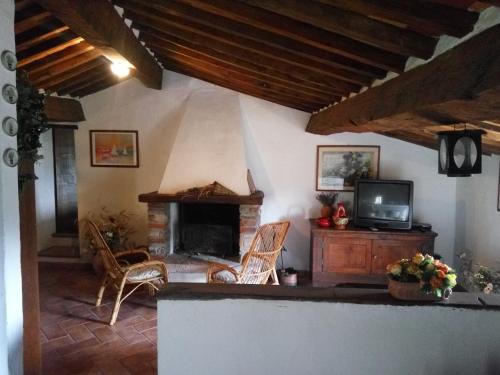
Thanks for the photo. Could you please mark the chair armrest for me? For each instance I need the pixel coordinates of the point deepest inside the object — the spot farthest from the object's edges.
(215, 268)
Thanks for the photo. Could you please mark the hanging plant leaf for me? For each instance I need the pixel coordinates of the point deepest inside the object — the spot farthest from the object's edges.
(32, 123)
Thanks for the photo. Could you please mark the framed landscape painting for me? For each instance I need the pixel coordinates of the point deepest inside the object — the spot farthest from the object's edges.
(114, 148)
(337, 167)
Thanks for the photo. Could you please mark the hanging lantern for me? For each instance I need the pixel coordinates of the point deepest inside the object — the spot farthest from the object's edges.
(460, 152)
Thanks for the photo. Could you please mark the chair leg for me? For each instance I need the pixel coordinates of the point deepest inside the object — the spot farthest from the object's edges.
(274, 277)
(101, 290)
(117, 305)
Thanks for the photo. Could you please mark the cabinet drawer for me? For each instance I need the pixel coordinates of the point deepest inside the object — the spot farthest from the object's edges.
(351, 256)
(388, 251)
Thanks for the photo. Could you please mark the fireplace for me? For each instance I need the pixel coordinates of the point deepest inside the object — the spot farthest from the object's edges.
(222, 226)
(206, 228)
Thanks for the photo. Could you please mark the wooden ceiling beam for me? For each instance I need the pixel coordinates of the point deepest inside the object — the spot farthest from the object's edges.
(89, 66)
(30, 22)
(63, 110)
(159, 40)
(40, 38)
(191, 56)
(241, 52)
(468, 73)
(249, 90)
(222, 41)
(425, 17)
(65, 66)
(58, 57)
(244, 79)
(45, 53)
(352, 25)
(80, 80)
(302, 32)
(100, 24)
(291, 46)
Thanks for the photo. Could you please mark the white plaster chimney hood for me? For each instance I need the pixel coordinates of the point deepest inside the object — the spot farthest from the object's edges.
(209, 145)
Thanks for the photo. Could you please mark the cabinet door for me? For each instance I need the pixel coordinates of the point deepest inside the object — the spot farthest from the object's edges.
(388, 251)
(347, 256)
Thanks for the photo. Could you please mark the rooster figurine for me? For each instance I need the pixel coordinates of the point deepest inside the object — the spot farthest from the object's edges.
(340, 218)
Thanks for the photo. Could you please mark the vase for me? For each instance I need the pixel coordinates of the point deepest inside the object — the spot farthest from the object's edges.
(326, 211)
(411, 292)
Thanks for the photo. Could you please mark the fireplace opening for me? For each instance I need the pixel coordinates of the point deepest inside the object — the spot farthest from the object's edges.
(212, 229)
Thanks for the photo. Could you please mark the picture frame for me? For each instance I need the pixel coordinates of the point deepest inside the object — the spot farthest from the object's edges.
(337, 167)
(498, 194)
(114, 148)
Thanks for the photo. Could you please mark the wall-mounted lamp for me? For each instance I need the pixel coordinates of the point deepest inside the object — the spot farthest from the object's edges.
(120, 70)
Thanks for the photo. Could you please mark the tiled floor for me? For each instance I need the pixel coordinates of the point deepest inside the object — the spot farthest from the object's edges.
(76, 338)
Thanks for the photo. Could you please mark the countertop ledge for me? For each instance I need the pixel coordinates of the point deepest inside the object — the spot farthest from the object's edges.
(194, 291)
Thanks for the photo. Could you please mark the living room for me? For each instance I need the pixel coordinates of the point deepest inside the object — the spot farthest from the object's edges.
(143, 149)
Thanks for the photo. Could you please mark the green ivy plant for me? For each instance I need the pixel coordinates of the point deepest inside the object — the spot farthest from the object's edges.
(32, 123)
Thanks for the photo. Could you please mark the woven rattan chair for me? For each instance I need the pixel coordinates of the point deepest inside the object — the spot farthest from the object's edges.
(259, 263)
(119, 272)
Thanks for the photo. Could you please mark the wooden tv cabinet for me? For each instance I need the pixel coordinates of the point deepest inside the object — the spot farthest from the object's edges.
(359, 255)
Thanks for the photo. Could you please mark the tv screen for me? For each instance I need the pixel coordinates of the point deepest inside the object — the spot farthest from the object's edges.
(383, 203)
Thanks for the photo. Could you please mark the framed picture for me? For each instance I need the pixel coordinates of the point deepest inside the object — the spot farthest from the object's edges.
(114, 148)
(337, 167)
(498, 198)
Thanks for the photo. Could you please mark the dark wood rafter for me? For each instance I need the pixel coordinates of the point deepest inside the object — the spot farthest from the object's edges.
(239, 49)
(47, 52)
(205, 19)
(30, 22)
(37, 78)
(243, 89)
(86, 67)
(302, 32)
(180, 26)
(40, 38)
(112, 37)
(352, 25)
(463, 83)
(159, 42)
(423, 17)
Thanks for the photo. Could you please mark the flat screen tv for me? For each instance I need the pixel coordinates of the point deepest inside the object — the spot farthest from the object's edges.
(383, 204)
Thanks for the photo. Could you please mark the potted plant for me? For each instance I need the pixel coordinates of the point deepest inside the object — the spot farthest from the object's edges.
(116, 230)
(421, 278)
(328, 200)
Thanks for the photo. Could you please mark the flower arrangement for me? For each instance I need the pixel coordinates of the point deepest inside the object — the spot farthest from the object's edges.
(327, 199)
(434, 276)
(477, 277)
(116, 228)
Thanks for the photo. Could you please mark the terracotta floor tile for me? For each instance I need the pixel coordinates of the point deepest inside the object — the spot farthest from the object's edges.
(75, 334)
(145, 325)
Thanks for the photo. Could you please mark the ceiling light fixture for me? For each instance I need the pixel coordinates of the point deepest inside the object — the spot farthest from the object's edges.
(120, 70)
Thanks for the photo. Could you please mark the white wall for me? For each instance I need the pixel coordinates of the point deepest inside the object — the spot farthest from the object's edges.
(45, 194)
(280, 154)
(478, 220)
(11, 307)
(296, 337)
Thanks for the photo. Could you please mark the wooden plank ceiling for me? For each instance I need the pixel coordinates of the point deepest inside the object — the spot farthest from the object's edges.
(302, 54)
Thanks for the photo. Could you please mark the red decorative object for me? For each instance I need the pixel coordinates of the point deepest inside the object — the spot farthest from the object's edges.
(323, 222)
(340, 218)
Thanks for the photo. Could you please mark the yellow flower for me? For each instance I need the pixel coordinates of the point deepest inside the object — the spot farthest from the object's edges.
(430, 267)
(413, 269)
(395, 269)
(452, 278)
(418, 258)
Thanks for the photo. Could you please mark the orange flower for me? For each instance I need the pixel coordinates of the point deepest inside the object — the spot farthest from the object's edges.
(441, 274)
(436, 282)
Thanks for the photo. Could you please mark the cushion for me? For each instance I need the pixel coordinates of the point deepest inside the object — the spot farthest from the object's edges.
(144, 273)
(226, 276)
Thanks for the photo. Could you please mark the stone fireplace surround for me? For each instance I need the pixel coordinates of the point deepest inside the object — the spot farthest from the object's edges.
(163, 211)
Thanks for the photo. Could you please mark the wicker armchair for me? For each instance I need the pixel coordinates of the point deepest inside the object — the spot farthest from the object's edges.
(259, 263)
(120, 272)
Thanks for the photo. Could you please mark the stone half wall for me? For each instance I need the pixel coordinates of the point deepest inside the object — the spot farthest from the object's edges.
(161, 237)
